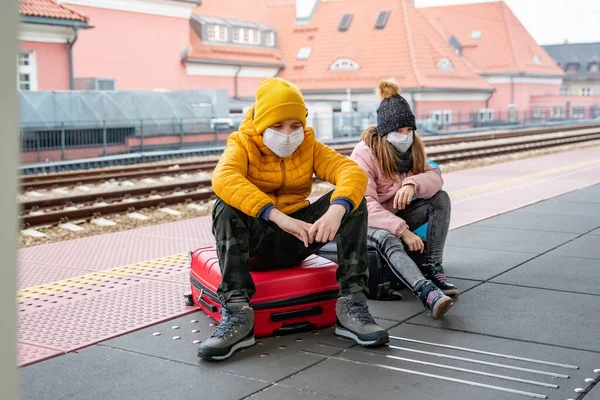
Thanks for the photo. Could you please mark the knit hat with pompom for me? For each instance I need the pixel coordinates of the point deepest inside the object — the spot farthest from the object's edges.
(393, 112)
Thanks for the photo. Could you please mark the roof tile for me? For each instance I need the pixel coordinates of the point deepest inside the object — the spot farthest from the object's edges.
(49, 9)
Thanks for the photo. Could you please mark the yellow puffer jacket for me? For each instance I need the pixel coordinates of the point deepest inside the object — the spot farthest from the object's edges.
(251, 177)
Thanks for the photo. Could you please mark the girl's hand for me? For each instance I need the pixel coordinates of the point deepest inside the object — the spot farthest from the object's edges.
(325, 228)
(413, 241)
(403, 197)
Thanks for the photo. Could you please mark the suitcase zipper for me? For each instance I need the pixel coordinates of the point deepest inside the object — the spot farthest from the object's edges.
(292, 301)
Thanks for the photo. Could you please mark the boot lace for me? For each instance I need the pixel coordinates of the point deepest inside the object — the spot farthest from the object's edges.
(360, 311)
(229, 321)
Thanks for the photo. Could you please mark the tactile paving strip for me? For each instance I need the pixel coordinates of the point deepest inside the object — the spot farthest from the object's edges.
(76, 324)
(32, 274)
(28, 354)
(171, 268)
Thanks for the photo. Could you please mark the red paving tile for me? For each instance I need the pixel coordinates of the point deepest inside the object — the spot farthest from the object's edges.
(29, 354)
(32, 274)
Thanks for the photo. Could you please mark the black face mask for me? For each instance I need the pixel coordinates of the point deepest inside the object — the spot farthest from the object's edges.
(405, 160)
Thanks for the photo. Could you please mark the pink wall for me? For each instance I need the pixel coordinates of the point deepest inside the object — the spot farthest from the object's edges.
(462, 107)
(143, 52)
(52, 64)
(521, 96)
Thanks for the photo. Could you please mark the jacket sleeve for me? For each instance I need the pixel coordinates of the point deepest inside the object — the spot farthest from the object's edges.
(427, 183)
(349, 179)
(230, 182)
(379, 216)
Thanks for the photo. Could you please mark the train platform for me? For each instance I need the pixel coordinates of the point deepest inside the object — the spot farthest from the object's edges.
(104, 317)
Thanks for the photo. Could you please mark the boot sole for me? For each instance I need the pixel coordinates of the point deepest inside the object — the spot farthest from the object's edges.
(451, 292)
(238, 346)
(441, 307)
(346, 334)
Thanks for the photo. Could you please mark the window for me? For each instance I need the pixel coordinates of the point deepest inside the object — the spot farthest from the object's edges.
(26, 71)
(485, 114)
(345, 22)
(578, 113)
(217, 33)
(586, 91)
(254, 36)
(382, 19)
(445, 65)
(441, 117)
(270, 39)
(558, 112)
(572, 67)
(248, 36)
(594, 67)
(476, 35)
(238, 34)
(304, 53)
(344, 64)
(537, 60)
(564, 91)
(539, 113)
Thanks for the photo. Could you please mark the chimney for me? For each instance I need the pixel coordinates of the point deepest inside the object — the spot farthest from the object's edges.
(305, 9)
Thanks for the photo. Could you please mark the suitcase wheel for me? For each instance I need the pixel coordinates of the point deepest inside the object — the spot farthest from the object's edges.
(189, 300)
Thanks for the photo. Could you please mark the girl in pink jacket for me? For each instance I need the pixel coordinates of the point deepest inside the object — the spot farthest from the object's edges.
(403, 193)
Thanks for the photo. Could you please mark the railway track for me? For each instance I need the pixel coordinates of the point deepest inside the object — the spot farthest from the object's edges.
(54, 211)
(75, 178)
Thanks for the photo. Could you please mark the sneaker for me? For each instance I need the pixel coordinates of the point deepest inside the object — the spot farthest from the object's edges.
(234, 332)
(434, 300)
(437, 276)
(354, 321)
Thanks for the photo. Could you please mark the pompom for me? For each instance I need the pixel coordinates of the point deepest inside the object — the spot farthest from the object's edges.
(387, 88)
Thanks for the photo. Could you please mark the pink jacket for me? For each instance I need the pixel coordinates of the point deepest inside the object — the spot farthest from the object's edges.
(381, 191)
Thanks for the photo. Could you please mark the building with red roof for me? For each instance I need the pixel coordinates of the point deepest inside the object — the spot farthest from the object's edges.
(491, 38)
(47, 34)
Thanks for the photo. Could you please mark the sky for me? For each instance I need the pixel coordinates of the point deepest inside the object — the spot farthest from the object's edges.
(548, 21)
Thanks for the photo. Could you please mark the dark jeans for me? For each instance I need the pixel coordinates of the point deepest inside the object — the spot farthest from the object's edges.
(245, 243)
(436, 212)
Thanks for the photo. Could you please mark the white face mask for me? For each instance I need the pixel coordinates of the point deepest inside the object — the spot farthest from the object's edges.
(281, 144)
(401, 142)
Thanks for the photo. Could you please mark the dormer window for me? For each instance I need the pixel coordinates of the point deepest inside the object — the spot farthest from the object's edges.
(246, 35)
(344, 64)
(217, 33)
(270, 39)
(594, 64)
(445, 65)
(572, 67)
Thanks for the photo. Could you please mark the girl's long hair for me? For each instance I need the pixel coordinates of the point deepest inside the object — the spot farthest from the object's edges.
(387, 156)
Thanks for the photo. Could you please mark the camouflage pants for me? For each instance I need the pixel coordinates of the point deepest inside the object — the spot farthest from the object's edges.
(245, 243)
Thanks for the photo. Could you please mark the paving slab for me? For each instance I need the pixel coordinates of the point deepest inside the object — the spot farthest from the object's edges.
(587, 246)
(536, 315)
(510, 358)
(543, 222)
(479, 237)
(579, 197)
(103, 373)
(480, 264)
(270, 360)
(553, 206)
(556, 272)
(409, 306)
(278, 392)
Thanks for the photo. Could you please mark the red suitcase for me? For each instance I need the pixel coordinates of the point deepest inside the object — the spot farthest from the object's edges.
(286, 300)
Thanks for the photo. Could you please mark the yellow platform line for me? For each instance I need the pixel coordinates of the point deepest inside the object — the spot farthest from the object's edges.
(131, 270)
(455, 194)
(98, 276)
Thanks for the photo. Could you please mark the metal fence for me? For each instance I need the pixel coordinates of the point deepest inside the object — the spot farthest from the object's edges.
(50, 141)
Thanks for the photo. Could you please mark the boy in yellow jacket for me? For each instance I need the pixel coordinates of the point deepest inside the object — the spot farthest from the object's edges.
(262, 181)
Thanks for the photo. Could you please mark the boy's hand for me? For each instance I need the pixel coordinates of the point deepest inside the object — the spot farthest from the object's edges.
(325, 228)
(291, 225)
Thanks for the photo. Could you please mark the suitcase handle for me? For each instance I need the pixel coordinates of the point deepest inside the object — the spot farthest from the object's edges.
(211, 307)
(296, 328)
(306, 312)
